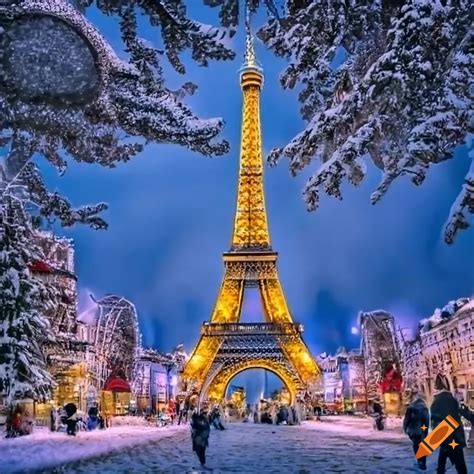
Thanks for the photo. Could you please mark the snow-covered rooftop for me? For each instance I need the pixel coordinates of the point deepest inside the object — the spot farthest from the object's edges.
(442, 315)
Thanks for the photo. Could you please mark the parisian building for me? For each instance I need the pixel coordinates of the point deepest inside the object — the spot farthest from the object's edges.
(389, 367)
(344, 386)
(66, 354)
(444, 344)
(156, 378)
(113, 345)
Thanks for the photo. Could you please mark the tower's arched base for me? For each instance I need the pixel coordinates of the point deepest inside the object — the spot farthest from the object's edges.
(238, 347)
(216, 388)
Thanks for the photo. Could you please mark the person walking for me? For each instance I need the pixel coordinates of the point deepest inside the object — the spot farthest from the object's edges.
(52, 419)
(200, 430)
(317, 411)
(416, 423)
(28, 424)
(180, 409)
(378, 414)
(444, 404)
(16, 423)
(289, 419)
(467, 413)
(218, 418)
(273, 413)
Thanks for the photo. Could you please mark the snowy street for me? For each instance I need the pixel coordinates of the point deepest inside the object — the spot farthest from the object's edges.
(338, 444)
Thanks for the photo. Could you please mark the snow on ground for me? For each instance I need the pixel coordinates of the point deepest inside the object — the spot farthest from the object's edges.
(335, 445)
(44, 450)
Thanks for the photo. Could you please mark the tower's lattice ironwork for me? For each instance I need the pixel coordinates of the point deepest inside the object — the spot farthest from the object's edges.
(226, 346)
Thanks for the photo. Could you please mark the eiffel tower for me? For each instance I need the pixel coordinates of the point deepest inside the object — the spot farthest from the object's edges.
(226, 346)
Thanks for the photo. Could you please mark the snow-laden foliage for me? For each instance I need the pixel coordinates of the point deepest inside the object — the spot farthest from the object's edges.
(64, 94)
(63, 86)
(401, 96)
(20, 177)
(230, 13)
(23, 299)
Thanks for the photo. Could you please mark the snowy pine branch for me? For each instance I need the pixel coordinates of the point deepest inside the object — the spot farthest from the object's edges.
(54, 205)
(402, 95)
(462, 206)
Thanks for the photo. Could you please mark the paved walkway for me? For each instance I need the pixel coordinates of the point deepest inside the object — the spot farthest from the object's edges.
(336, 445)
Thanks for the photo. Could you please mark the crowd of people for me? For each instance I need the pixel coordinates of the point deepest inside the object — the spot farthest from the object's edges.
(417, 420)
(67, 419)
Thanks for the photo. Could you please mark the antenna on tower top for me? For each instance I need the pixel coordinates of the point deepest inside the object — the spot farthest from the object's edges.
(250, 60)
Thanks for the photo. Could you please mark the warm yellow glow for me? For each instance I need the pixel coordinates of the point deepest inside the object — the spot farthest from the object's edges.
(274, 302)
(218, 385)
(229, 302)
(250, 259)
(250, 226)
(201, 359)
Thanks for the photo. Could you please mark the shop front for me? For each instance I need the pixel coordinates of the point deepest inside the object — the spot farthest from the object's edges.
(116, 397)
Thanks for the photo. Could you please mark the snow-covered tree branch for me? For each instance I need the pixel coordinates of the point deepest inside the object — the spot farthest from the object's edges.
(401, 96)
(65, 94)
(66, 89)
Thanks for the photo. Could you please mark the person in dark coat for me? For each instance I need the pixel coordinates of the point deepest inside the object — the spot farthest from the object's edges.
(415, 425)
(52, 419)
(282, 416)
(71, 420)
(92, 419)
(200, 430)
(378, 414)
(215, 419)
(467, 413)
(101, 420)
(445, 404)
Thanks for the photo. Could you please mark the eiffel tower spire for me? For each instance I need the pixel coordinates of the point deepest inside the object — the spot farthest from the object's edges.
(250, 225)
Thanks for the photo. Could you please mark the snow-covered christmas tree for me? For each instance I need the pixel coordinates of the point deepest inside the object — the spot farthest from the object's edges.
(22, 325)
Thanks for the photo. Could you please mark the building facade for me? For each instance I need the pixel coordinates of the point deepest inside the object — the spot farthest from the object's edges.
(156, 380)
(381, 352)
(66, 353)
(390, 368)
(344, 385)
(444, 345)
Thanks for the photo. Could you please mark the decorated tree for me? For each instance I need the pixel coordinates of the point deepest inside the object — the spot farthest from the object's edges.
(25, 299)
(388, 81)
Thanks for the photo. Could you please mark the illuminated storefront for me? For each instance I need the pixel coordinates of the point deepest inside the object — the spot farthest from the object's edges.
(156, 380)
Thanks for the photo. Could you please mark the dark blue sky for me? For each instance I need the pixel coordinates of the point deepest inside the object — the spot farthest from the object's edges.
(171, 214)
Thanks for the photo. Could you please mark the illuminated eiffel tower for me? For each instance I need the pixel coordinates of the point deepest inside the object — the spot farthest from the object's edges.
(226, 346)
